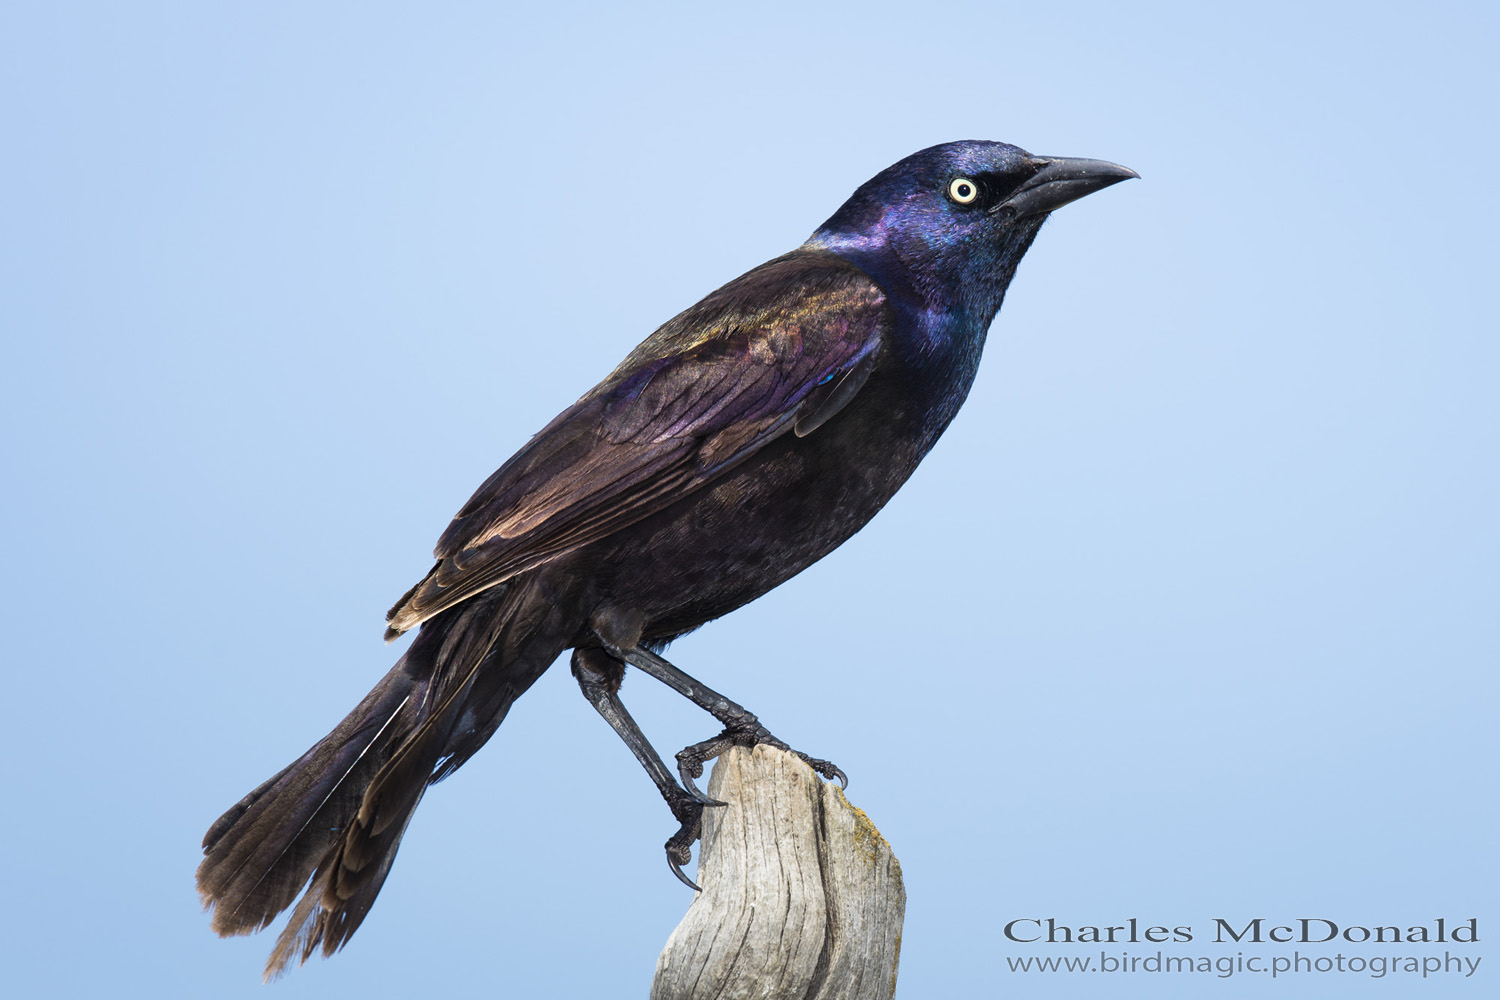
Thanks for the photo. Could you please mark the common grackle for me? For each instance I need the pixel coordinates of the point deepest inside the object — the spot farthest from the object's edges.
(740, 443)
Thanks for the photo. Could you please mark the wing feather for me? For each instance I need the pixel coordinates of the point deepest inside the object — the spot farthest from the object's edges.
(784, 346)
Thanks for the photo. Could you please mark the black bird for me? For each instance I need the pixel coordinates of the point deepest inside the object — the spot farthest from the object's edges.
(740, 443)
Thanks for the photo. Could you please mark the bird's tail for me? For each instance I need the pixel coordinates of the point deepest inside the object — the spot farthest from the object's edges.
(331, 822)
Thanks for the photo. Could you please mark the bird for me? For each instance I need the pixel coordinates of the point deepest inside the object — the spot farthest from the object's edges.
(738, 444)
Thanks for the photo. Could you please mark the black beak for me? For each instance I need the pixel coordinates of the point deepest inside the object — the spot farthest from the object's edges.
(1059, 180)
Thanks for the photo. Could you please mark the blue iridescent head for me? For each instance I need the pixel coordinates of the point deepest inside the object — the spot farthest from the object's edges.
(948, 225)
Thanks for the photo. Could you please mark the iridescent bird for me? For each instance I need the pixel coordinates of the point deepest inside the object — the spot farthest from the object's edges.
(740, 443)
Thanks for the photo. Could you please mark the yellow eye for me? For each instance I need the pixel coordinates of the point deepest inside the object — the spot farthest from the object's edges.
(963, 190)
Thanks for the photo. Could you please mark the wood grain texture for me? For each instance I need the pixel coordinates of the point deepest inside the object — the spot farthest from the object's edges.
(802, 898)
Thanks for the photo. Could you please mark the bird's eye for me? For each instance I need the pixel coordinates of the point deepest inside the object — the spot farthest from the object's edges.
(963, 190)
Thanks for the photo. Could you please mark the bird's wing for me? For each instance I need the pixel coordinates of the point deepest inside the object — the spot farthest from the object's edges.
(778, 350)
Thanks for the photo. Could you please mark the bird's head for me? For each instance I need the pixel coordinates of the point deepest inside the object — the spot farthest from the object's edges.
(952, 221)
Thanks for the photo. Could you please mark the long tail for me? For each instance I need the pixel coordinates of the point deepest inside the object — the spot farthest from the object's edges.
(332, 821)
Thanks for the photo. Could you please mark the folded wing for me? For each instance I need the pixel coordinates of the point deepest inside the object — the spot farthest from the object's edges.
(780, 348)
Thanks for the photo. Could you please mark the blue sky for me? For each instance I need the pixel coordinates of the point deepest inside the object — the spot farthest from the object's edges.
(1189, 615)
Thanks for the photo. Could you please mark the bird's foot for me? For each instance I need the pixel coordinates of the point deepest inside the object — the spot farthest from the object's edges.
(689, 812)
(688, 806)
(691, 759)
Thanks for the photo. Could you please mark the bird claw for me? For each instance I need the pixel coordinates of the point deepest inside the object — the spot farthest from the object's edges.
(827, 769)
(680, 846)
(687, 770)
(700, 796)
(675, 863)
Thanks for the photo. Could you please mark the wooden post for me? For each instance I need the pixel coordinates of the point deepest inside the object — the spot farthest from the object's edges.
(802, 898)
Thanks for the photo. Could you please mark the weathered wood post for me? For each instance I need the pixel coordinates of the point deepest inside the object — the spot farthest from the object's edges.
(802, 898)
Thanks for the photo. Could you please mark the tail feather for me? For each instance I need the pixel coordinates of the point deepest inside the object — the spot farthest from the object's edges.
(324, 919)
(261, 852)
(224, 822)
(331, 822)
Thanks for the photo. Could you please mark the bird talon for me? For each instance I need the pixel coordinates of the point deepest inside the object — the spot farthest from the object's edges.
(681, 876)
(826, 768)
(680, 847)
(699, 796)
(830, 771)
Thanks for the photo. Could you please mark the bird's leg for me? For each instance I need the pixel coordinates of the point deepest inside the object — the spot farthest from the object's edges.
(599, 676)
(741, 727)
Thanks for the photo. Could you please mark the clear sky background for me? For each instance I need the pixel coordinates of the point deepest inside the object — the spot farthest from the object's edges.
(1191, 614)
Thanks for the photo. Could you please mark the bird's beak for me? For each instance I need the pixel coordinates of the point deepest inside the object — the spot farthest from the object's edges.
(1061, 179)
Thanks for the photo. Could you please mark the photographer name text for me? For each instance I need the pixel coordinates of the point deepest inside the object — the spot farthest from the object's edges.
(1257, 930)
